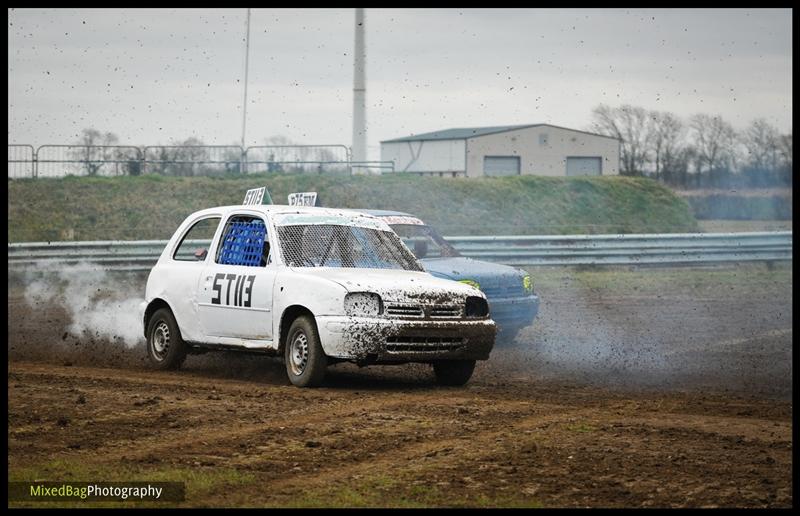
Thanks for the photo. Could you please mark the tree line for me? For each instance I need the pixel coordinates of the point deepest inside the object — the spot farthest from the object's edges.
(704, 151)
(99, 153)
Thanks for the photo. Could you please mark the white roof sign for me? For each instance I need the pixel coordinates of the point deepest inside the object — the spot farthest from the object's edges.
(303, 199)
(254, 196)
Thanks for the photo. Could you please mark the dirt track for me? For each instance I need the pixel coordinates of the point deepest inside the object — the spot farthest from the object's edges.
(634, 394)
(397, 439)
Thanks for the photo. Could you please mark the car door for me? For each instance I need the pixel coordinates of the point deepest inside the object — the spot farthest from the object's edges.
(182, 272)
(235, 288)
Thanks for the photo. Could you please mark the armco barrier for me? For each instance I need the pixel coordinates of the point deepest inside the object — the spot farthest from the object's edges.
(665, 249)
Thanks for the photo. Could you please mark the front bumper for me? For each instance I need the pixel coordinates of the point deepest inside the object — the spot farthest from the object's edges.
(513, 313)
(381, 340)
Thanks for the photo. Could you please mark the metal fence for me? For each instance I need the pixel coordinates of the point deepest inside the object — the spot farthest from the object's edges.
(184, 160)
(87, 160)
(193, 160)
(659, 249)
(21, 161)
(301, 158)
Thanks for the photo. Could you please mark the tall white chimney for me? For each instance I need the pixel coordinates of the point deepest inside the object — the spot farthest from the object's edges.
(359, 147)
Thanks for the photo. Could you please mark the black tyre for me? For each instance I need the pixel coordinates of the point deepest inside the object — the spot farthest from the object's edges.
(453, 372)
(165, 347)
(303, 355)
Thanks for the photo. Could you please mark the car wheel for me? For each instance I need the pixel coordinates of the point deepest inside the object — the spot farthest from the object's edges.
(303, 355)
(165, 347)
(453, 372)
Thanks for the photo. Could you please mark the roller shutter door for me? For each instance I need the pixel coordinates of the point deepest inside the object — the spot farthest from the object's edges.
(501, 165)
(584, 166)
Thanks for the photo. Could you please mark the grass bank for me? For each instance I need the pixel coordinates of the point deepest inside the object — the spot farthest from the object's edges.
(151, 207)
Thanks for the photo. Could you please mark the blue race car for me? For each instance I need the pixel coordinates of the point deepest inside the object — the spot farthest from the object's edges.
(513, 304)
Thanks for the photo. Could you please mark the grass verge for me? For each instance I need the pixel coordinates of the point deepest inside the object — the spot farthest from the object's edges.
(151, 207)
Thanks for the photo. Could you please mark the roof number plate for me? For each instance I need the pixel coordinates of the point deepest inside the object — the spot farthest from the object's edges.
(254, 196)
(303, 199)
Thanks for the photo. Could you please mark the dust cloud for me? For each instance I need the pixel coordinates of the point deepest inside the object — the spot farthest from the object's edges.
(98, 306)
(734, 335)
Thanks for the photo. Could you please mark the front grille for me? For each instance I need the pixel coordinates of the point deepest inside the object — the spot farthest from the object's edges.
(441, 311)
(504, 291)
(402, 344)
(404, 310)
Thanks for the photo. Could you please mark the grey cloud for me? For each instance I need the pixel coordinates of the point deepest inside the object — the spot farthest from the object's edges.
(156, 75)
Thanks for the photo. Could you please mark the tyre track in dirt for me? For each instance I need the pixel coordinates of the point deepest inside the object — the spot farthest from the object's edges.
(207, 434)
(444, 461)
(203, 436)
(522, 442)
(403, 459)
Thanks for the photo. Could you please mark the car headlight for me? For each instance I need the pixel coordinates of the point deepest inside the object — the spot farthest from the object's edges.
(471, 283)
(527, 284)
(476, 307)
(363, 303)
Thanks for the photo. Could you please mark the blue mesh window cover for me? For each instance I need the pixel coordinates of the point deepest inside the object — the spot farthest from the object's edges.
(243, 243)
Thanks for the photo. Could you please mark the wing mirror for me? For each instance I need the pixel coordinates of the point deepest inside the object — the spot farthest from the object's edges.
(200, 254)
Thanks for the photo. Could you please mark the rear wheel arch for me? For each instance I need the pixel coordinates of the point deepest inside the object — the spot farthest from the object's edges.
(155, 305)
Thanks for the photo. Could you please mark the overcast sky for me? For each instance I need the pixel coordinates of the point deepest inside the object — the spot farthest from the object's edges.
(154, 76)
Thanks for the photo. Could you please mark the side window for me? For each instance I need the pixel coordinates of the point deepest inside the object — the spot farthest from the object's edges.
(197, 240)
(244, 242)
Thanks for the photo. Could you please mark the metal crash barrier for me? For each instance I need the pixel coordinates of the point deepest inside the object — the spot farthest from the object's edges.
(550, 250)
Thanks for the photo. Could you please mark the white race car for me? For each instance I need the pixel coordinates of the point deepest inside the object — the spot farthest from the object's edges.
(314, 285)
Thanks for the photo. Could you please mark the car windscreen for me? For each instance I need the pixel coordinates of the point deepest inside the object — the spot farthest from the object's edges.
(423, 241)
(331, 245)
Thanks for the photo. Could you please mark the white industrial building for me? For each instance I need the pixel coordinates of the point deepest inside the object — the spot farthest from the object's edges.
(537, 149)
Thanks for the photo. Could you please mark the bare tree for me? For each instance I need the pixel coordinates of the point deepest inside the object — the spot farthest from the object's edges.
(293, 154)
(233, 159)
(92, 151)
(187, 154)
(785, 149)
(278, 139)
(326, 155)
(279, 153)
(667, 143)
(158, 160)
(676, 167)
(280, 142)
(690, 176)
(762, 142)
(630, 124)
(714, 142)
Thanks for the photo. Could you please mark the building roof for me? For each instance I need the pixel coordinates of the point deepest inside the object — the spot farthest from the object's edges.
(473, 132)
